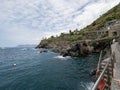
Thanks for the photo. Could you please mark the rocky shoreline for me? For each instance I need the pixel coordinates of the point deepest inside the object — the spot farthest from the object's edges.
(75, 49)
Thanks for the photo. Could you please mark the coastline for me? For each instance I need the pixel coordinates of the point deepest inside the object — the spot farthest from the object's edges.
(76, 49)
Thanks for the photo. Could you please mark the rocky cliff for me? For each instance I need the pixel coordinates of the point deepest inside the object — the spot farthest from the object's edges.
(78, 42)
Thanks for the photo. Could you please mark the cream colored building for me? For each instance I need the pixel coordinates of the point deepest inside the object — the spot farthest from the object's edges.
(114, 31)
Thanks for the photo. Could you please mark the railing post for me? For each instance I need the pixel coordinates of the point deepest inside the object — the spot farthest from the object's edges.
(108, 78)
(112, 63)
(113, 55)
(113, 60)
(99, 62)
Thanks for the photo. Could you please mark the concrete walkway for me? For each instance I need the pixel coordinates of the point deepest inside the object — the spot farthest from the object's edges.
(116, 49)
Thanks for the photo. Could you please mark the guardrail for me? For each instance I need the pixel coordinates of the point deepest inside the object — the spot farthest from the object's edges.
(95, 87)
(107, 73)
(99, 62)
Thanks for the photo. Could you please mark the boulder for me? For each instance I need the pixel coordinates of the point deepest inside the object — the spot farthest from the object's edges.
(76, 50)
(43, 51)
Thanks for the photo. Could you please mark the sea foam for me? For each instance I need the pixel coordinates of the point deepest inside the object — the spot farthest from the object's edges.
(62, 58)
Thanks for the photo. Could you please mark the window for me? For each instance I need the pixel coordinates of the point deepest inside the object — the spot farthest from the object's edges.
(114, 33)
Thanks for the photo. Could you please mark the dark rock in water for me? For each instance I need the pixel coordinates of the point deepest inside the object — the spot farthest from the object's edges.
(64, 53)
(42, 46)
(43, 51)
(93, 72)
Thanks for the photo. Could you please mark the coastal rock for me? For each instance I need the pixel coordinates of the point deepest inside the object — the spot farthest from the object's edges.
(42, 46)
(43, 51)
(77, 50)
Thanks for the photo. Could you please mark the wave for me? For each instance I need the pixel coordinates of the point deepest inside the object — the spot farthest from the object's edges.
(24, 49)
(2, 48)
(85, 85)
(62, 58)
(89, 85)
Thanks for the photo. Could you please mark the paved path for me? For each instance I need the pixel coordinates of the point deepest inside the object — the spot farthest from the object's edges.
(116, 49)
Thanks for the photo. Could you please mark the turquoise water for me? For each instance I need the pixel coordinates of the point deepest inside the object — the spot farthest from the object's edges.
(44, 71)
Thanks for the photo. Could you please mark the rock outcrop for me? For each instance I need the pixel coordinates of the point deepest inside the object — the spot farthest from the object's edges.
(69, 49)
(76, 49)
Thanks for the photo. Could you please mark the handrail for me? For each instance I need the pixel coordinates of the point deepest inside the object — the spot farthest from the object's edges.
(107, 71)
(100, 58)
(101, 75)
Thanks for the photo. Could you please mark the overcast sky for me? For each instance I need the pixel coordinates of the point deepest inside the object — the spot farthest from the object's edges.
(28, 21)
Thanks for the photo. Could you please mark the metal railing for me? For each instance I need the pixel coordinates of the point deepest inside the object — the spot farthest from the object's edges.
(99, 62)
(95, 87)
(111, 62)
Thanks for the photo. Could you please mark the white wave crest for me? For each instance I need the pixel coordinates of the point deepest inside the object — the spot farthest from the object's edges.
(86, 86)
(89, 85)
(61, 57)
(24, 49)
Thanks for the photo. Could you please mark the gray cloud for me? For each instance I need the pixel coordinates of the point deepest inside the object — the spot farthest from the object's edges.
(28, 21)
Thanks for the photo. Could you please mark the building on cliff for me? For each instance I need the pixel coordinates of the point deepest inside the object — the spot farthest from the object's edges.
(111, 29)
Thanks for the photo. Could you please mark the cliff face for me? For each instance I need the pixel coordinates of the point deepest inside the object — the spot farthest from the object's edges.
(81, 42)
(67, 48)
(76, 48)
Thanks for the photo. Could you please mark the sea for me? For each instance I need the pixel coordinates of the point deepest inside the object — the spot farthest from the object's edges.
(23, 68)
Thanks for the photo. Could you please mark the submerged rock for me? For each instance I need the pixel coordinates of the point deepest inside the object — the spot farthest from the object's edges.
(43, 51)
(93, 72)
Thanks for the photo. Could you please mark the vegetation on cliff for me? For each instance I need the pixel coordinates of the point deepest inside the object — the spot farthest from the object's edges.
(112, 14)
(78, 42)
